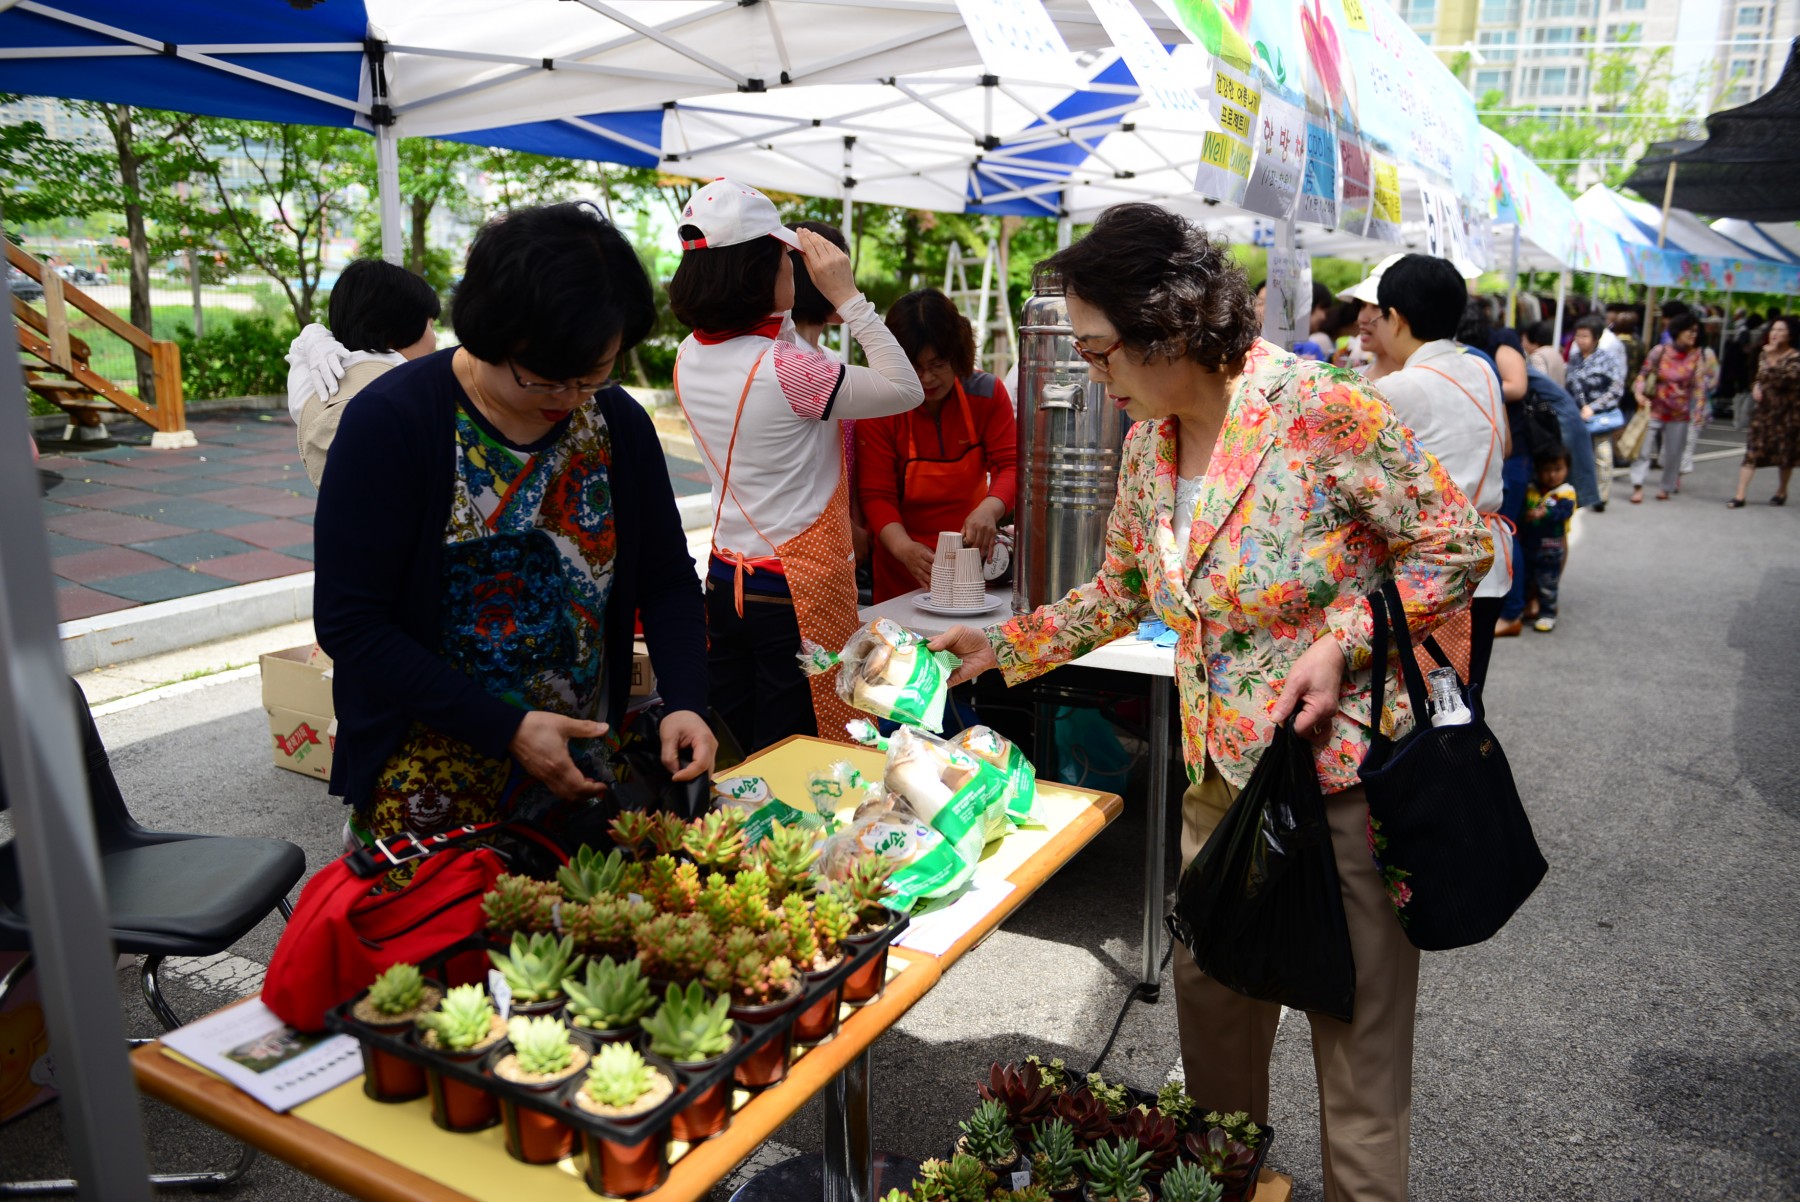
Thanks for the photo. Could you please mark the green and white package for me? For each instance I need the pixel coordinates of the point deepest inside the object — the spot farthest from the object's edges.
(994, 748)
(762, 810)
(950, 791)
(888, 671)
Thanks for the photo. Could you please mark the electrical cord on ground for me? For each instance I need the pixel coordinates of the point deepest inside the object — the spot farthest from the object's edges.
(1136, 991)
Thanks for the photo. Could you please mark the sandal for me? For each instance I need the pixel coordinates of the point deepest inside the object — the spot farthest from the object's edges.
(1637, 496)
(1662, 496)
(1778, 500)
(1736, 503)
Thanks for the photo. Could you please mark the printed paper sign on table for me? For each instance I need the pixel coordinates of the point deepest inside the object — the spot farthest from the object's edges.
(1287, 302)
(1161, 84)
(1228, 149)
(255, 1051)
(1280, 159)
(1018, 40)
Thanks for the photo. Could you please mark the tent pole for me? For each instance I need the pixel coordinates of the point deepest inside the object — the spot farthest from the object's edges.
(849, 232)
(1512, 294)
(387, 186)
(1651, 315)
(59, 866)
(1065, 225)
(1562, 298)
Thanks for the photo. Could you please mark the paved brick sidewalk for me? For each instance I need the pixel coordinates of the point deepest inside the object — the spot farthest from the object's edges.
(130, 526)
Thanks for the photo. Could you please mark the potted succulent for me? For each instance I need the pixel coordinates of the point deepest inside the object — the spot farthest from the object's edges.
(463, 1028)
(962, 1178)
(1055, 1160)
(675, 948)
(520, 903)
(541, 1059)
(865, 890)
(1156, 1134)
(671, 886)
(1116, 1172)
(798, 932)
(1054, 1072)
(1085, 1114)
(742, 902)
(610, 1000)
(1021, 1089)
(535, 968)
(692, 1032)
(787, 857)
(1227, 1161)
(630, 829)
(668, 834)
(1237, 1125)
(988, 1137)
(588, 875)
(762, 988)
(392, 1005)
(1029, 1193)
(1188, 1182)
(1176, 1106)
(715, 841)
(1116, 1098)
(621, 1087)
(607, 925)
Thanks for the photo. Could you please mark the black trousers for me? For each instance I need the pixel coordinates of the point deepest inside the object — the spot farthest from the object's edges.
(1483, 613)
(757, 686)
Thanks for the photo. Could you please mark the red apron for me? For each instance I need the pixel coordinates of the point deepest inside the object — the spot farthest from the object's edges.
(819, 563)
(935, 495)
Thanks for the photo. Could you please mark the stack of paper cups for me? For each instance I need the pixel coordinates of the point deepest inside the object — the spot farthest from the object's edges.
(971, 587)
(943, 568)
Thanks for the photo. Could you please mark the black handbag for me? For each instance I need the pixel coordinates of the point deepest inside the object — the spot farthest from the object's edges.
(1446, 825)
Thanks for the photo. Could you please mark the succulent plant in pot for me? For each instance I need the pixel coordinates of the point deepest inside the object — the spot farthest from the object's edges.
(542, 1057)
(631, 831)
(1116, 1098)
(676, 947)
(692, 1030)
(1176, 1106)
(715, 841)
(535, 968)
(1226, 1160)
(520, 903)
(787, 857)
(962, 1178)
(1021, 1089)
(671, 886)
(1188, 1182)
(796, 936)
(393, 1004)
(762, 988)
(1029, 1193)
(620, 1086)
(1116, 1172)
(463, 1028)
(607, 925)
(1055, 1160)
(610, 999)
(1237, 1125)
(668, 834)
(1085, 1114)
(1055, 1074)
(588, 874)
(865, 891)
(987, 1135)
(1156, 1134)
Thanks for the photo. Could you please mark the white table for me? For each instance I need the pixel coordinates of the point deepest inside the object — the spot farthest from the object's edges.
(1128, 655)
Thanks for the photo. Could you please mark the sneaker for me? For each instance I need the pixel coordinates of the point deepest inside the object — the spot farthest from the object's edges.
(1544, 625)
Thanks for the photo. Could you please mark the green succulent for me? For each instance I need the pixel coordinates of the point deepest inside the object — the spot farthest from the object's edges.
(788, 855)
(1237, 1125)
(1174, 1103)
(988, 1135)
(631, 830)
(520, 903)
(962, 1178)
(716, 840)
(1055, 1073)
(1054, 1157)
(609, 921)
(399, 989)
(687, 1028)
(541, 1044)
(1115, 1170)
(588, 874)
(676, 946)
(715, 900)
(832, 921)
(896, 1195)
(1031, 1193)
(1187, 1182)
(799, 942)
(668, 833)
(671, 887)
(537, 965)
(1116, 1098)
(867, 884)
(618, 1076)
(463, 1019)
(613, 995)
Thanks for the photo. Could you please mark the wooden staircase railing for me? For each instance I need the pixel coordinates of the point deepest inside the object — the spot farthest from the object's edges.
(57, 364)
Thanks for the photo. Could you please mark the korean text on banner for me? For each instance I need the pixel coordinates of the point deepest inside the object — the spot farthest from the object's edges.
(1355, 184)
(1287, 300)
(1384, 213)
(1412, 106)
(1226, 151)
(1280, 159)
(1018, 41)
(1319, 188)
(1161, 84)
(1445, 234)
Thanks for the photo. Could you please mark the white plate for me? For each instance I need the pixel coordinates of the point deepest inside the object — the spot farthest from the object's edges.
(924, 602)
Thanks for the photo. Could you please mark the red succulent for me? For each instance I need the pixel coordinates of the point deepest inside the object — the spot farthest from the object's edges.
(1086, 1115)
(1226, 1160)
(1021, 1089)
(1155, 1133)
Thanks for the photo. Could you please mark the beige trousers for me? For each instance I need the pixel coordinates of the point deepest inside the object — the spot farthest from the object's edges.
(1364, 1067)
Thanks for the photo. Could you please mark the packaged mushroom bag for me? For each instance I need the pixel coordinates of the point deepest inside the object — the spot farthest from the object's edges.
(888, 671)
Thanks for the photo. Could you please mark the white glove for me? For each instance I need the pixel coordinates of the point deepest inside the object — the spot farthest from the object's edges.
(319, 359)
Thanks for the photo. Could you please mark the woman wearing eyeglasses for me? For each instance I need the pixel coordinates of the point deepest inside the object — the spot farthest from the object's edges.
(1261, 498)
(493, 521)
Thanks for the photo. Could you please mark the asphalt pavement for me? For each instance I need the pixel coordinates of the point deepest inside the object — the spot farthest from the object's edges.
(1632, 1036)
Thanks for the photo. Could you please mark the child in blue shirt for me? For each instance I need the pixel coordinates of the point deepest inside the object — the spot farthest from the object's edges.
(1544, 529)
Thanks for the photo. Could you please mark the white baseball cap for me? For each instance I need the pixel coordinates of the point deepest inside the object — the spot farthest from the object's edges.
(1365, 290)
(728, 214)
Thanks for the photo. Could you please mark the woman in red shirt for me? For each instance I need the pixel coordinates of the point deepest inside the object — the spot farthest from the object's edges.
(950, 464)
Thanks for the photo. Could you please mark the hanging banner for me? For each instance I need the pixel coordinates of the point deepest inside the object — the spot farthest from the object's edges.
(1280, 159)
(1287, 300)
(1518, 190)
(1480, 230)
(1163, 86)
(1412, 106)
(1018, 41)
(1355, 187)
(1227, 149)
(1444, 233)
(1384, 211)
(1219, 35)
(1319, 185)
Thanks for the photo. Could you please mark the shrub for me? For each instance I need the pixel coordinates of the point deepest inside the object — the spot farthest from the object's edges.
(245, 357)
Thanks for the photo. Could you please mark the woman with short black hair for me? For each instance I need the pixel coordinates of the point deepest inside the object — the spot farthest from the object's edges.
(765, 413)
(381, 316)
(495, 521)
(951, 464)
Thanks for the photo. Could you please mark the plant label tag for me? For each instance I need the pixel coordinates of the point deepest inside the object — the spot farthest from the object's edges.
(556, 917)
(501, 992)
(1021, 1179)
(636, 899)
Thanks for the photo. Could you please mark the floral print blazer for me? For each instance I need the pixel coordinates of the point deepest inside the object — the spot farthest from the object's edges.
(1315, 495)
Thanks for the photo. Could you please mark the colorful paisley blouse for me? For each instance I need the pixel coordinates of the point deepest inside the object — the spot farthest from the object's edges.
(1315, 495)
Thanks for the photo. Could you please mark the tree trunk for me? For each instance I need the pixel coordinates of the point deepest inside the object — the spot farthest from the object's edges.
(415, 254)
(138, 238)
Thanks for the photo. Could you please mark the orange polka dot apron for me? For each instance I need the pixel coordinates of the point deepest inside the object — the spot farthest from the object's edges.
(935, 495)
(819, 563)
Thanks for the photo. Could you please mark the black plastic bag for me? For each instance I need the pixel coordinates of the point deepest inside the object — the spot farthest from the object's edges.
(1260, 907)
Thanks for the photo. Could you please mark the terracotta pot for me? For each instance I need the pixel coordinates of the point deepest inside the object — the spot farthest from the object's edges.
(706, 1112)
(769, 1063)
(455, 1105)
(622, 1169)
(387, 1077)
(531, 1135)
(819, 1021)
(866, 983)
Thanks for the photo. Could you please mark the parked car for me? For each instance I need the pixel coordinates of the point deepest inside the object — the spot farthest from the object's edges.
(23, 286)
(83, 275)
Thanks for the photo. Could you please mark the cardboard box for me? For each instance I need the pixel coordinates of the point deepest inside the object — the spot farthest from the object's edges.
(297, 698)
(643, 676)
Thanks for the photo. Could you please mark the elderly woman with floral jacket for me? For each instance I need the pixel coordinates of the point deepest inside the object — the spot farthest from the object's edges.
(1261, 499)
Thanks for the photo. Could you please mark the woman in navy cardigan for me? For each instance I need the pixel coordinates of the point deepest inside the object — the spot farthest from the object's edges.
(492, 522)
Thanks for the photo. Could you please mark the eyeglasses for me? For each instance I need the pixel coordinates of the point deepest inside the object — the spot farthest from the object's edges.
(545, 388)
(1099, 359)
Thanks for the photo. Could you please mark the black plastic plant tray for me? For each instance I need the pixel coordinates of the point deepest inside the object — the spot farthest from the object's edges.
(1197, 1125)
(689, 1084)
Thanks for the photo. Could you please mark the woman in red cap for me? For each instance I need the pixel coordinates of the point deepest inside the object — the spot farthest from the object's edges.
(764, 412)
